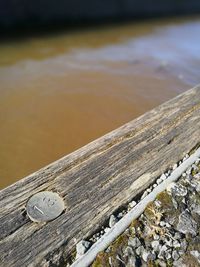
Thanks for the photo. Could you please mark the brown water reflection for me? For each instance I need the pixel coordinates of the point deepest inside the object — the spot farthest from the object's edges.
(58, 93)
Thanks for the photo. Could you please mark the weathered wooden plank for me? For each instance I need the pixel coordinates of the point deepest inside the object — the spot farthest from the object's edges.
(95, 180)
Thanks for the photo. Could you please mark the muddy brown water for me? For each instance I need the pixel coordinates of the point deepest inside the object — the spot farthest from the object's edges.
(59, 92)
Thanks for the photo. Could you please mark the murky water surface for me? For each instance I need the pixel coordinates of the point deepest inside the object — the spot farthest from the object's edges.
(59, 92)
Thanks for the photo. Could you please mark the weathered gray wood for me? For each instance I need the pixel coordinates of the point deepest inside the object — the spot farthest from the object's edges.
(95, 180)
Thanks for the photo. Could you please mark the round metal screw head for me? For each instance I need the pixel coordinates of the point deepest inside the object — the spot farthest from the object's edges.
(44, 206)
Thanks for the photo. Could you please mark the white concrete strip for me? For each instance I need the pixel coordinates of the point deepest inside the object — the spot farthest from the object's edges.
(133, 214)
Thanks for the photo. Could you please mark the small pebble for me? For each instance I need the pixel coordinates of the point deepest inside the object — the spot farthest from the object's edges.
(141, 216)
(107, 229)
(144, 194)
(134, 242)
(156, 237)
(177, 235)
(169, 243)
(120, 215)
(163, 177)
(81, 248)
(183, 201)
(188, 171)
(133, 230)
(181, 252)
(112, 221)
(175, 204)
(132, 204)
(164, 248)
(167, 225)
(149, 190)
(174, 167)
(197, 176)
(194, 167)
(145, 255)
(119, 259)
(159, 180)
(197, 161)
(155, 245)
(184, 245)
(175, 255)
(139, 250)
(177, 189)
(128, 251)
(176, 244)
(168, 255)
(162, 223)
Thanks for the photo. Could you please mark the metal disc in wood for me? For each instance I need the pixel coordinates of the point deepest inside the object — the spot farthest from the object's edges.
(44, 206)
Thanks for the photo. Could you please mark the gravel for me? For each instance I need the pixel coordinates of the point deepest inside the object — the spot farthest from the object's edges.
(167, 233)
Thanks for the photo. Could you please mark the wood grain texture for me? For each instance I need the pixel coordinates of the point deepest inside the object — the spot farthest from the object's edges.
(96, 180)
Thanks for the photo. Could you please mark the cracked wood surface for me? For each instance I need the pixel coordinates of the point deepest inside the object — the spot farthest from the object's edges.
(96, 180)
